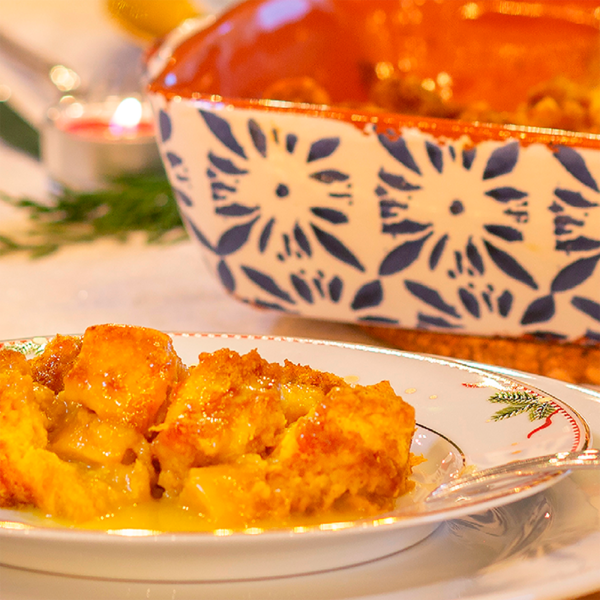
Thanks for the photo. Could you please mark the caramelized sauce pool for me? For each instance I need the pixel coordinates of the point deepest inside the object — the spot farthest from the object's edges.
(169, 517)
(491, 50)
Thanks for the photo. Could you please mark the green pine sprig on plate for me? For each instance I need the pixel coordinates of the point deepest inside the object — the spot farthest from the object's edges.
(519, 402)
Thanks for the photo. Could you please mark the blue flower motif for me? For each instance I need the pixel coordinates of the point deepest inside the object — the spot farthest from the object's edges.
(302, 289)
(247, 189)
(455, 227)
(571, 209)
(265, 209)
(420, 209)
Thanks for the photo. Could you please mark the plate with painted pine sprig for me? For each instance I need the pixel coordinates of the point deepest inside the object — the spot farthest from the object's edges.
(469, 417)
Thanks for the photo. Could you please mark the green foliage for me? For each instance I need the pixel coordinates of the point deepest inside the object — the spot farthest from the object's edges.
(512, 397)
(16, 132)
(519, 402)
(133, 203)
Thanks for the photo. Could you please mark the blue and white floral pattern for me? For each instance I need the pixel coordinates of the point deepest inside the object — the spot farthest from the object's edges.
(317, 217)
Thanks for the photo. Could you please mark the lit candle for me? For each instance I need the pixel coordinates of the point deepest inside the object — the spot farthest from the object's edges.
(86, 144)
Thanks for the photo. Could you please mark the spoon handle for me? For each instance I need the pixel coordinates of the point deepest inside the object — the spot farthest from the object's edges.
(517, 475)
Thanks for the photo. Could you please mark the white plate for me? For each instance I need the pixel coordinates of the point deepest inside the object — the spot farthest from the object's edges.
(456, 400)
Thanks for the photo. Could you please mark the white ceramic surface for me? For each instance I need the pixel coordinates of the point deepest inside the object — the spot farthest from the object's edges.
(453, 399)
(348, 257)
(344, 215)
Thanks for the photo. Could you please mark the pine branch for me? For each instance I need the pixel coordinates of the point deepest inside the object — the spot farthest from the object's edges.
(134, 203)
(521, 402)
(520, 397)
(512, 410)
(541, 411)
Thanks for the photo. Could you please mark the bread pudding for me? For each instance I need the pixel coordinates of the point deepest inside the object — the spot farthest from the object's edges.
(113, 421)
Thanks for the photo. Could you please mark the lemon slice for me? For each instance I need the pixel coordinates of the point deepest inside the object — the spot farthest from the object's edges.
(150, 19)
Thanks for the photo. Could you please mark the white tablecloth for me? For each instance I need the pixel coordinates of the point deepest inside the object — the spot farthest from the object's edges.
(162, 286)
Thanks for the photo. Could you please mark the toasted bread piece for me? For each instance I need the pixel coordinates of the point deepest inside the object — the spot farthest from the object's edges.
(31, 474)
(352, 448)
(14, 360)
(123, 373)
(50, 367)
(350, 452)
(229, 406)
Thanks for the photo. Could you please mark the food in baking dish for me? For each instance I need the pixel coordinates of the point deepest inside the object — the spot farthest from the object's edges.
(559, 103)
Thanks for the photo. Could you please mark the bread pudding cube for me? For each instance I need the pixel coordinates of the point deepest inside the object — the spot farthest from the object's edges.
(50, 367)
(27, 469)
(351, 451)
(230, 405)
(87, 439)
(230, 495)
(32, 474)
(123, 373)
(14, 360)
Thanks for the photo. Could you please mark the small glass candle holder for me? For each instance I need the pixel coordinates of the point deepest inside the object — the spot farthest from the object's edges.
(86, 144)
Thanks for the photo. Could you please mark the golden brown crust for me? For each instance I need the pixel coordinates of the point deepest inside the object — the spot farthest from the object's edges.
(281, 441)
(123, 373)
(353, 448)
(574, 363)
(13, 360)
(50, 367)
(559, 103)
(240, 439)
(348, 452)
(228, 406)
(297, 89)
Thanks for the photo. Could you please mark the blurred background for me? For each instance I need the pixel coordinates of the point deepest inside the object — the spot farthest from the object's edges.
(71, 258)
(101, 43)
(101, 40)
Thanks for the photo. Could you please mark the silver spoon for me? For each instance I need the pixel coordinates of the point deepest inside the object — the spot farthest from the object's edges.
(512, 477)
